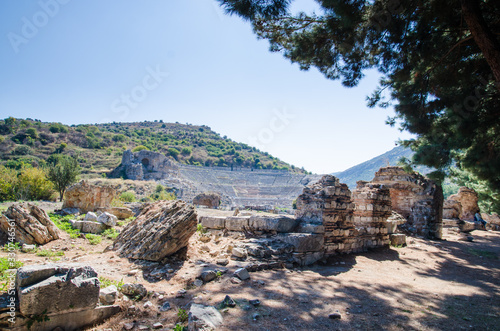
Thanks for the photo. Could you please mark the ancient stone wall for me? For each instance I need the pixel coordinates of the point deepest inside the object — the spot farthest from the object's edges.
(372, 209)
(87, 197)
(145, 165)
(416, 198)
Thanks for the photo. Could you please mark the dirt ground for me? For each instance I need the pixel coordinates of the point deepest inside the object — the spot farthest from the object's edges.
(429, 285)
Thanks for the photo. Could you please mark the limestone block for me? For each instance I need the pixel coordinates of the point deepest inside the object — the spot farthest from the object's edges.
(237, 223)
(303, 242)
(56, 288)
(213, 222)
(272, 223)
(89, 227)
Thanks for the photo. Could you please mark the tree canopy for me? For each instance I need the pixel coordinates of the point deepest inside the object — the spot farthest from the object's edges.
(439, 60)
(62, 172)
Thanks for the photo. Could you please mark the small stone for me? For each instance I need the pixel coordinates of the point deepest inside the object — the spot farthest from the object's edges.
(208, 275)
(255, 316)
(28, 248)
(170, 271)
(198, 282)
(108, 295)
(133, 272)
(239, 253)
(246, 307)
(142, 327)
(131, 309)
(235, 280)
(335, 316)
(157, 325)
(470, 238)
(134, 290)
(160, 297)
(254, 302)
(181, 293)
(128, 326)
(148, 304)
(242, 274)
(165, 306)
(223, 262)
(228, 302)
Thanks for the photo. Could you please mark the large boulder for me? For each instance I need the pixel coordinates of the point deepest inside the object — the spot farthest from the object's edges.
(31, 224)
(468, 200)
(162, 229)
(87, 197)
(208, 199)
(56, 287)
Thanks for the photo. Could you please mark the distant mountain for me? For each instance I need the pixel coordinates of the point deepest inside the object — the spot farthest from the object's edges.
(366, 170)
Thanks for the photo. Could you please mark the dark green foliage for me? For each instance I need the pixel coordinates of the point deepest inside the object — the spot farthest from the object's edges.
(58, 128)
(63, 173)
(440, 71)
(22, 150)
(173, 152)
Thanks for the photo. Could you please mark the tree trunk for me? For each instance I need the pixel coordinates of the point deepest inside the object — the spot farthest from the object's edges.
(484, 38)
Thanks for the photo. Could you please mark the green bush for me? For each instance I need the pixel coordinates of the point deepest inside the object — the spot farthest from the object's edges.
(93, 239)
(127, 197)
(186, 151)
(173, 152)
(32, 184)
(22, 150)
(111, 234)
(140, 148)
(5, 265)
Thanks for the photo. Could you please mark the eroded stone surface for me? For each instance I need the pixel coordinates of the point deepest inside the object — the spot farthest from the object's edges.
(56, 288)
(468, 201)
(207, 199)
(30, 223)
(162, 229)
(416, 198)
(87, 197)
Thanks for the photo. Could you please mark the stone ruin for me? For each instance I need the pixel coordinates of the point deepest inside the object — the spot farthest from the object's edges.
(87, 197)
(332, 220)
(418, 199)
(145, 165)
(465, 203)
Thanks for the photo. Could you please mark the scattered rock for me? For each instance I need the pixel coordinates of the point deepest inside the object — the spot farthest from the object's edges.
(89, 226)
(254, 302)
(198, 283)
(242, 274)
(133, 272)
(120, 212)
(165, 306)
(107, 219)
(128, 326)
(90, 217)
(256, 316)
(208, 275)
(108, 295)
(87, 197)
(202, 317)
(223, 262)
(32, 225)
(228, 302)
(239, 253)
(147, 304)
(134, 290)
(28, 248)
(335, 316)
(162, 229)
(235, 280)
(398, 239)
(157, 325)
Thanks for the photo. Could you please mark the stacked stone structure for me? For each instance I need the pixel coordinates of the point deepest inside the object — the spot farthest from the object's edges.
(418, 199)
(373, 208)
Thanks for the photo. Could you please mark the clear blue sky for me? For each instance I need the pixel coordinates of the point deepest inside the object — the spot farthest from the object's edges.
(95, 61)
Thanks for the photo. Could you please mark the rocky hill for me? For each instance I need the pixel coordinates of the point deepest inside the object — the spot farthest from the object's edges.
(367, 169)
(99, 148)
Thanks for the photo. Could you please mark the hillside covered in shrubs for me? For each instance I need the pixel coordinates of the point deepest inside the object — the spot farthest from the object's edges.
(98, 148)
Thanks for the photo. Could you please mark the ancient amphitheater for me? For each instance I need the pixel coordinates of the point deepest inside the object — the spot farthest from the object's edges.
(239, 187)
